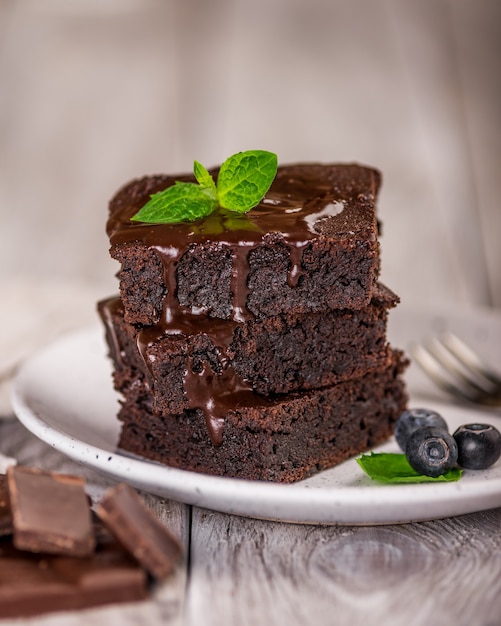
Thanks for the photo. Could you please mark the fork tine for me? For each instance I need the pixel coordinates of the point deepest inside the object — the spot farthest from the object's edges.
(469, 358)
(464, 372)
(436, 371)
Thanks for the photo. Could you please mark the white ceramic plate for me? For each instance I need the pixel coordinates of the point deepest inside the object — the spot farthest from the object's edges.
(63, 394)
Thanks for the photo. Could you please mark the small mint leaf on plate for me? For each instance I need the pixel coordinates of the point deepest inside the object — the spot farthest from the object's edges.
(244, 179)
(392, 468)
(183, 202)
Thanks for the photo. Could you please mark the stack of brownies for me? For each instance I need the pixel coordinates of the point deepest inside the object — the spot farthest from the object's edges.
(254, 345)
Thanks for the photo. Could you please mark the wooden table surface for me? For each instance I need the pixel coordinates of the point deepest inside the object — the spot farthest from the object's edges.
(95, 92)
(239, 571)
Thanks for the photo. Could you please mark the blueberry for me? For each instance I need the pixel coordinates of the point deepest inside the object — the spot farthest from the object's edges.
(479, 445)
(431, 451)
(411, 420)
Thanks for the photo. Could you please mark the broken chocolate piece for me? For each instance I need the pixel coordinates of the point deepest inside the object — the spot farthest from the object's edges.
(139, 531)
(50, 512)
(5, 512)
(32, 584)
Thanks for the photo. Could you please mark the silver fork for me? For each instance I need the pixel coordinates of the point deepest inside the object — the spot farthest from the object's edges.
(457, 369)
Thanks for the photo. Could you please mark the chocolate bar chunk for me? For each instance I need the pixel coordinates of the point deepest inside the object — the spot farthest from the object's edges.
(32, 584)
(50, 512)
(5, 512)
(139, 531)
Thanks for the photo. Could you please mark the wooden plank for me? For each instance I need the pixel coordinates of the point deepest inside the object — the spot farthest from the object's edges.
(477, 35)
(88, 100)
(202, 38)
(425, 40)
(247, 572)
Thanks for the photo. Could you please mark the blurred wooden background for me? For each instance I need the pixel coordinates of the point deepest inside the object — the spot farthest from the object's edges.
(95, 92)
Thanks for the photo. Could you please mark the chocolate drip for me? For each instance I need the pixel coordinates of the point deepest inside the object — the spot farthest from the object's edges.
(170, 256)
(295, 271)
(216, 394)
(239, 282)
(212, 392)
(294, 210)
(105, 309)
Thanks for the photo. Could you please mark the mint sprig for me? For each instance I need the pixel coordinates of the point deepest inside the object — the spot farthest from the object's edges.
(243, 180)
(392, 468)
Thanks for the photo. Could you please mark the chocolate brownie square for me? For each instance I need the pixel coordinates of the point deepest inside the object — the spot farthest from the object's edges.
(309, 246)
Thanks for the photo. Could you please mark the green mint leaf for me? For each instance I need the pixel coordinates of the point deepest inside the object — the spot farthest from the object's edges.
(394, 468)
(183, 202)
(245, 178)
(204, 178)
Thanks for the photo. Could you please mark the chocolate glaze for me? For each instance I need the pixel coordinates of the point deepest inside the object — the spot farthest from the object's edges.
(213, 392)
(105, 309)
(306, 202)
(5, 512)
